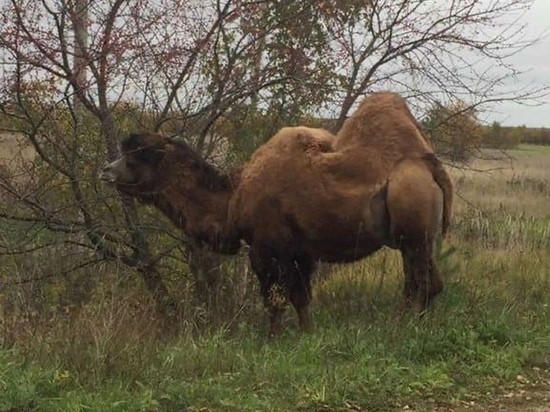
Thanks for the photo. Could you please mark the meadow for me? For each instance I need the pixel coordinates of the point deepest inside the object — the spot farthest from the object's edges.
(484, 346)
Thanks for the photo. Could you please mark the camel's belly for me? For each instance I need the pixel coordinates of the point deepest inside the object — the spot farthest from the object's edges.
(339, 254)
(337, 243)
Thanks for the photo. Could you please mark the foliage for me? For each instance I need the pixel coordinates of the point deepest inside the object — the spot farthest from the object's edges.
(498, 137)
(539, 136)
(453, 129)
(522, 134)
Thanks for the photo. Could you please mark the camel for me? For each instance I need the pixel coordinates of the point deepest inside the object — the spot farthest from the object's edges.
(306, 196)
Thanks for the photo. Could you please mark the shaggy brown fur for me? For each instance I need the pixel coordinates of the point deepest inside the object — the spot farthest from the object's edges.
(305, 196)
(172, 177)
(384, 124)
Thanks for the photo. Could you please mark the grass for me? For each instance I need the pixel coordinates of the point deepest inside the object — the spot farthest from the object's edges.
(487, 334)
(541, 149)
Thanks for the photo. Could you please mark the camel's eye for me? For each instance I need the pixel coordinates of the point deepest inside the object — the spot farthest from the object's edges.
(131, 163)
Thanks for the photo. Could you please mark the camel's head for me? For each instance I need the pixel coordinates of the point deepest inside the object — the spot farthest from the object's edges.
(139, 170)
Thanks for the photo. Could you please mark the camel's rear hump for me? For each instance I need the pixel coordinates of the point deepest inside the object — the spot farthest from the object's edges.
(415, 201)
(383, 121)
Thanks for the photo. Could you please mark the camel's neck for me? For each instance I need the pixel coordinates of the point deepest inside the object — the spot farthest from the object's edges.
(199, 206)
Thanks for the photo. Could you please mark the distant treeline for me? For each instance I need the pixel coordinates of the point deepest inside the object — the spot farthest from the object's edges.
(505, 137)
(246, 128)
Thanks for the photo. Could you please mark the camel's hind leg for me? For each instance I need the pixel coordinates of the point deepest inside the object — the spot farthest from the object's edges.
(422, 278)
(415, 206)
(410, 287)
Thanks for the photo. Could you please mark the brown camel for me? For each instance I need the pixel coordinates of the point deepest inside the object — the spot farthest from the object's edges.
(306, 196)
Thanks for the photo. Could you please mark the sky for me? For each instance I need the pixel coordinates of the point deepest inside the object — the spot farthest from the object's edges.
(535, 62)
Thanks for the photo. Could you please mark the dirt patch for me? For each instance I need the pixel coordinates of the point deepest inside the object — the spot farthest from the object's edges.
(525, 395)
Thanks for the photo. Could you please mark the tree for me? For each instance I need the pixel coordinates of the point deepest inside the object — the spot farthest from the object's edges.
(183, 76)
(498, 137)
(430, 50)
(454, 130)
(495, 136)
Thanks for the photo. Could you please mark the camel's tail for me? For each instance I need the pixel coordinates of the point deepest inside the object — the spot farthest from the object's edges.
(444, 181)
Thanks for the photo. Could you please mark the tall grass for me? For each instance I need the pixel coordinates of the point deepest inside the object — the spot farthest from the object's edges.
(487, 334)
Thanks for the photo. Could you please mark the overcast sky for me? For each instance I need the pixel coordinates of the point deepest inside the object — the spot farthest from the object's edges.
(535, 61)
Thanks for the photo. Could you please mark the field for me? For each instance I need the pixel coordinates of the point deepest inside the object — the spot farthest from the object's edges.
(485, 345)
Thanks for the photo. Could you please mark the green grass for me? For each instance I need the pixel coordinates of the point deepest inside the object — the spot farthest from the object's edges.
(541, 149)
(491, 325)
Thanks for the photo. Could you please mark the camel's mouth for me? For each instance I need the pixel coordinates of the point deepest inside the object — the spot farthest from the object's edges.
(109, 172)
(110, 178)
(107, 177)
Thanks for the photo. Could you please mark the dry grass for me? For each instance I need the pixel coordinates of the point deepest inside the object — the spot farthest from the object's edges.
(515, 182)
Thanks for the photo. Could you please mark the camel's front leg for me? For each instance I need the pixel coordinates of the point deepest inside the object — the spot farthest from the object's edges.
(269, 272)
(275, 299)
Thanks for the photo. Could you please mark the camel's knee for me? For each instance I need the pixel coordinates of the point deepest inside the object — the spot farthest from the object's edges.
(273, 293)
(409, 285)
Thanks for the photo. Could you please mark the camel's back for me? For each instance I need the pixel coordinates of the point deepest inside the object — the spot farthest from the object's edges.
(289, 149)
(288, 175)
(384, 123)
(293, 141)
(283, 161)
(296, 185)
